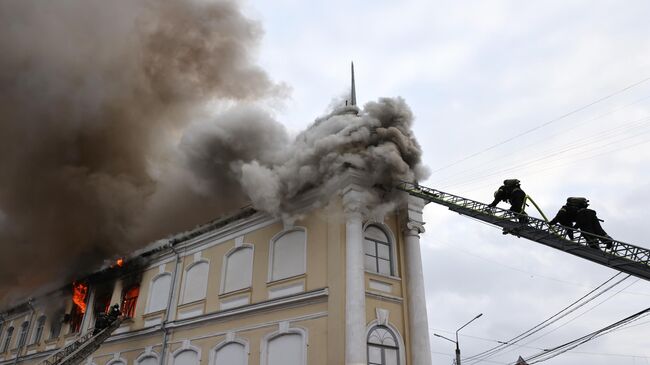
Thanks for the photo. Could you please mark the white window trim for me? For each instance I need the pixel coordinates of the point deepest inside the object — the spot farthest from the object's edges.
(393, 246)
(117, 358)
(166, 273)
(264, 360)
(184, 283)
(400, 340)
(186, 346)
(224, 343)
(147, 353)
(222, 288)
(34, 332)
(272, 246)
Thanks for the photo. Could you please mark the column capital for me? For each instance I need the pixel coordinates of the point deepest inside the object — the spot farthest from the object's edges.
(414, 228)
(354, 199)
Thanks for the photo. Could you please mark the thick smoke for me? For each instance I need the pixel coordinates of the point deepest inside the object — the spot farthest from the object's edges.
(378, 143)
(93, 94)
(123, 122)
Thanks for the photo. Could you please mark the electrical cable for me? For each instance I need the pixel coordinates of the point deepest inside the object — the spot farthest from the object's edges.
(543, 125)
(554, 318)
(558, 350)
(562, 132)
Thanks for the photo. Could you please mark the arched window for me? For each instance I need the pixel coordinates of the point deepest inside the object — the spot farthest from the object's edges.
(116, 362)
(286, 349)
(24, 328)
(232, 353)
(38, 333)
(238, 269)
(378, 250)
(383, 347)
(159, 292)
(147, 360)
(288, 254)
(196, 282)
(186, 357)
(8, 335)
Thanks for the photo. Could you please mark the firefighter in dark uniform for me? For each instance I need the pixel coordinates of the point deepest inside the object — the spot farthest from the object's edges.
(589, 224)
(566, 216)
(511, 192)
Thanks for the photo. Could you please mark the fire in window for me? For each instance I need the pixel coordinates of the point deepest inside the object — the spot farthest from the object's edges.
(129, 300)
(79, 296)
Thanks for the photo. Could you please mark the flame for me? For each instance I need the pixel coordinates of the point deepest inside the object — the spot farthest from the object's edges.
(79, 292)
(119, 262)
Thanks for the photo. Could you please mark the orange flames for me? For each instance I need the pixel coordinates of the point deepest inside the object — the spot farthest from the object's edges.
(79, 292)
(119, 262)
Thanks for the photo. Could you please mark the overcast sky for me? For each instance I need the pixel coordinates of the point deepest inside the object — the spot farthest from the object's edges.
(477, 73)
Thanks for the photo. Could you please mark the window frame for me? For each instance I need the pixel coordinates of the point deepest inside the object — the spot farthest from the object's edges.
(264, 347)
(6, 340)
(147, 309)
(226, 342)
(224, 267)
(399, 341)
(201, 261)
(272, 243)
(39, 329)
(392, 249)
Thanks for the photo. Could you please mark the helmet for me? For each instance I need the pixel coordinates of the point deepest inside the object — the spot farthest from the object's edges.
(577, 202)
(511, 182)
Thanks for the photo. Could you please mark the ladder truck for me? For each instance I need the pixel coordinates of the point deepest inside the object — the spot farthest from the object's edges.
(77, 351)
(621, 256)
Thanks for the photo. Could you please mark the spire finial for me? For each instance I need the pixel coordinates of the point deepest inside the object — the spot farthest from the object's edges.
(353, 91)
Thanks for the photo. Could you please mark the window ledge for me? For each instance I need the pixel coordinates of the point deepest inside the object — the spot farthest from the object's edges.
(286, 280)
(235, 292)
(396, 278)
(193, 303)
(154, 314)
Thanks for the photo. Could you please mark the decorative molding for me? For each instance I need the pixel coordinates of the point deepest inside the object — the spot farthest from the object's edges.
(380, 285)
(239, 241)
(382, 316)
(385, 297)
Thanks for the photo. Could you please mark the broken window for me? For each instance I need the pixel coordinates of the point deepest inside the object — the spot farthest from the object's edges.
(129, 300)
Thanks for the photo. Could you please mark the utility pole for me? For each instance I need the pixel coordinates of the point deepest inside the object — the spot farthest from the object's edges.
(456, 342)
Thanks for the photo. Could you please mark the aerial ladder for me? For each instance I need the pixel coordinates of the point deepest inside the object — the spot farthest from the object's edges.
(83, 347)
(621, 256)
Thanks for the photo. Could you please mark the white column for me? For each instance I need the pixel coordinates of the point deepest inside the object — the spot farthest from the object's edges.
(417, 304)
(355, 293)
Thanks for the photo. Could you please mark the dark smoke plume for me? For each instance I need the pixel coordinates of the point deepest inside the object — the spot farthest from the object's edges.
(93, 93)
(125, 121)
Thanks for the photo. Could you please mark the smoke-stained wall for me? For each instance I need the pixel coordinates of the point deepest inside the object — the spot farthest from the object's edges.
(122, 122)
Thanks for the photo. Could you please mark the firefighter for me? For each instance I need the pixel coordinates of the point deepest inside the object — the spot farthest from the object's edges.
(566, 216)
(511, 192)
(100, 323)
(113, 313)
(589, 225)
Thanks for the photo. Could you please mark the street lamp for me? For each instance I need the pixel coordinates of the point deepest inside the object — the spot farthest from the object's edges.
(456, 342)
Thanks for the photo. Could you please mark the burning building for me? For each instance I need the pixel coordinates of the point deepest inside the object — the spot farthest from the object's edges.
(339, 282)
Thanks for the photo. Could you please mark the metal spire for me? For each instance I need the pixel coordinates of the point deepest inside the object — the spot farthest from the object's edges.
(353, 91)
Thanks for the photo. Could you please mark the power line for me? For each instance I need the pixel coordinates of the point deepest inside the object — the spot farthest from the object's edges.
(542, 125)
(558, 350)
(554, 318)
(562, 132)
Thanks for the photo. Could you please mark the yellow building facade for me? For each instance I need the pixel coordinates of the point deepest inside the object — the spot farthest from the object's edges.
(331, 287)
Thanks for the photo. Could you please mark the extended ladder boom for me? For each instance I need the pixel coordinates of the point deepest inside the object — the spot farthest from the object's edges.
(83, 347)
(620, 256)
